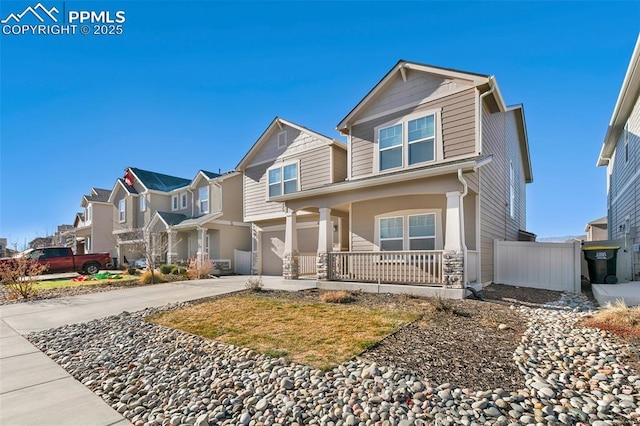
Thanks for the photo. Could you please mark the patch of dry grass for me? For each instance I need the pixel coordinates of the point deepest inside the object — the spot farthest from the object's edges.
(618, 319)
(318, 334)
(339, 296)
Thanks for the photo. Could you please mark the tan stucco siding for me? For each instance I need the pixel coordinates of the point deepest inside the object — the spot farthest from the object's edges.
(225, 239)
(458, 130)
(624, 187)
(500, 141)
(232, 198)
(102, 229)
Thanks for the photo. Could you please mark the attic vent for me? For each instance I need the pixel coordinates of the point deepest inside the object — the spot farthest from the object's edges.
(282, 139)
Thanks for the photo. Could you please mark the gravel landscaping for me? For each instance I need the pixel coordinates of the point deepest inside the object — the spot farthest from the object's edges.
(550, 372)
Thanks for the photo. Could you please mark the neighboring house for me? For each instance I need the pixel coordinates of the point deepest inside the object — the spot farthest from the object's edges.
(621, 154)
(3, 247)
(288, 158)
(62, 235)
(92, 230)
(41, 242)
(597, 230)
(174, 218)
(437, 166)
(204, 221)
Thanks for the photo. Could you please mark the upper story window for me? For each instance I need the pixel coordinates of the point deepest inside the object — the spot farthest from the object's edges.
(183, 200)
(282, 139)
(174, 202)
(143, 203)
(408, 142)
(122, 210)
(283, 179)
(88, 213)
(407, 232)
(203, 197)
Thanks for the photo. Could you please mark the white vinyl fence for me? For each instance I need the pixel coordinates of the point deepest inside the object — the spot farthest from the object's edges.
(242, 262)
(550, 266)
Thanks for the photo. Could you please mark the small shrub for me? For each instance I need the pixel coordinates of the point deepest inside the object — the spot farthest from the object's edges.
(199, 269)
(340, 296)
(166, 269)
(616, 318)
(440, 304)
(254, 284)
(19, 275)
(178, 270)
(149, 277)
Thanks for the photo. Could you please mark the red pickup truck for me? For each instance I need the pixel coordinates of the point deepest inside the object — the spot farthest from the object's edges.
(62, 259)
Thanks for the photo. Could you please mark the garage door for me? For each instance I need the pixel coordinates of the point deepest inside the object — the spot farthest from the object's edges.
(272, 250)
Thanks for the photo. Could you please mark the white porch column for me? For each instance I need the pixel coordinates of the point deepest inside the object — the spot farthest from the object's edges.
(325, 244)
(171, 242)
(119, 251)
(453, 257)
(256, 244)
(452, 232)
(290, 257)
(154, 247)
(202, 237)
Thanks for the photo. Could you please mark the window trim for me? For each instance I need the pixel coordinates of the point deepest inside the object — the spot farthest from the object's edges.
(201, 200)
(122, 210)
(174, 202)
(88, 214)
(282, 133)
(281, 166)
(405, 214)
(438, 154)
(143, 203)
(183, 200)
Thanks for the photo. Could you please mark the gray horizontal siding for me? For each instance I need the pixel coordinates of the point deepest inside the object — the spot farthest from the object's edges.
(339, 164)
(458, 130)
(255, 192)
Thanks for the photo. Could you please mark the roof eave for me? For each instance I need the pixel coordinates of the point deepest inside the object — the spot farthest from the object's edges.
(627, 98)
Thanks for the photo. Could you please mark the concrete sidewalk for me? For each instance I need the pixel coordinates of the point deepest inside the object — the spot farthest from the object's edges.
(629, 293)
(34, 390)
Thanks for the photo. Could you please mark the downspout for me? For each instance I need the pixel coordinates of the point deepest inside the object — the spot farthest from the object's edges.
(463, 243)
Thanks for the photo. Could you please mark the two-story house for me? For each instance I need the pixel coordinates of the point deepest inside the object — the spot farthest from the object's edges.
(92, 230)
(436, 171)
(620, 153)
(288, 158)
(174, 218)
(204, 220)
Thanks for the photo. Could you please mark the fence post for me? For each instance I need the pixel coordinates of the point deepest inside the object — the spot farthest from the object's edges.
(496, 263)
(577, 267)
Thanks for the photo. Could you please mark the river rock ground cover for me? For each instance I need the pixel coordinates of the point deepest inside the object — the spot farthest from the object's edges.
(507, 363)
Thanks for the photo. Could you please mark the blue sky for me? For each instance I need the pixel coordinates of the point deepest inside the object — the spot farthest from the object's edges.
(192, 85)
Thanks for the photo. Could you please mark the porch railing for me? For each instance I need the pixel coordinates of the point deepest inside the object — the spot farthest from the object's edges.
(307, 264)
(402, 267)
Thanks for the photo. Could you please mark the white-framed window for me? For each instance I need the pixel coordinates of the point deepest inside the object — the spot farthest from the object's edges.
(283, 179)
(122, 210)
(282, 139)
(203, 198)
(410, 141)
(408, 230)
(174, 202)
(183, 200)
(143, 203)
(88, 213)
(512, 192)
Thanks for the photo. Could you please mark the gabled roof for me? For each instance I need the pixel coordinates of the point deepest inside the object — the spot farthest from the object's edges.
(277, 123)
(627, 98)
(210, 175)
(98, 195)
(158, 181)
(171, 219)
(400, 68)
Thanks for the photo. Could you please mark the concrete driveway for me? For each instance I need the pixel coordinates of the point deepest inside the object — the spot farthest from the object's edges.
(34, 390)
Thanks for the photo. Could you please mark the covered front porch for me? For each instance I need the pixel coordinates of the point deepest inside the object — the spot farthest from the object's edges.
(427, 240)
